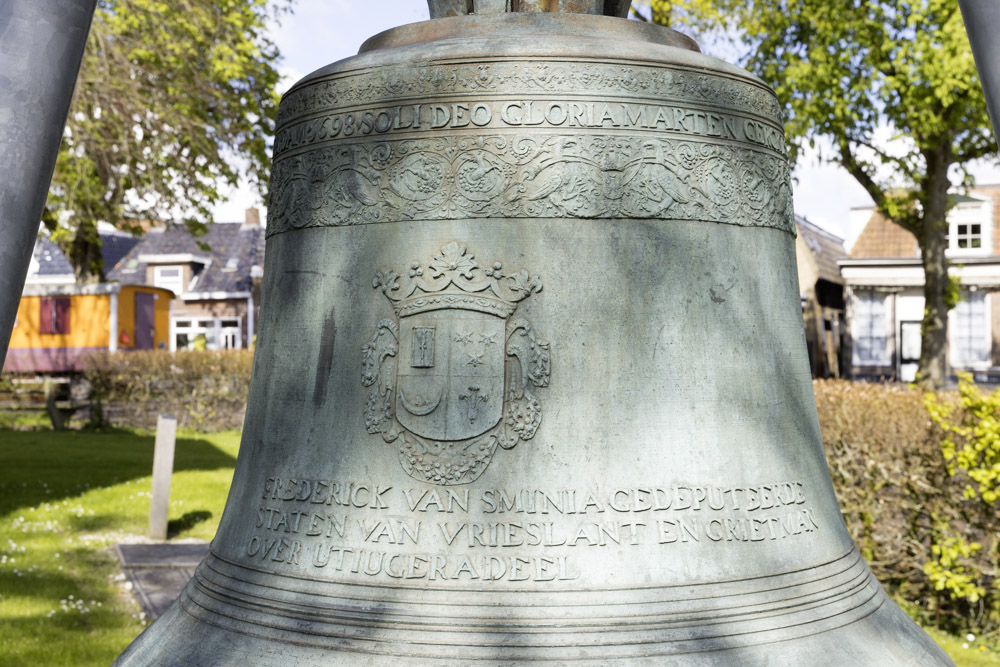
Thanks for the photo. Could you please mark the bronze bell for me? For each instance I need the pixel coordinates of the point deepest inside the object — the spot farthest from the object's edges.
(531, 383)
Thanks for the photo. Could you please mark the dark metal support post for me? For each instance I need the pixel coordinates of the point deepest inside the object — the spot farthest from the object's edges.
(41, 47)
(982, 22)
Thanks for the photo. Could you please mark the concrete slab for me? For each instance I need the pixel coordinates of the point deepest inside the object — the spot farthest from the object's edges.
(158, 572)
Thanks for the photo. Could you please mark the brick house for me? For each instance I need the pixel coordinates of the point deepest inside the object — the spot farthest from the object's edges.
(885, 302)
(216, 280)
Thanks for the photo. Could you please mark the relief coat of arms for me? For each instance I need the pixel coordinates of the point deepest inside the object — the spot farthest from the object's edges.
(451, 378)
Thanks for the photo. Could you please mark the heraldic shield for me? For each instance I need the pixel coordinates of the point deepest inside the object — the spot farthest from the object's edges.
(450, 374)
(452, 377)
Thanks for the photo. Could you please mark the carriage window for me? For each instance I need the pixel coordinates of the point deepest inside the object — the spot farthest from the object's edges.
(54, 315)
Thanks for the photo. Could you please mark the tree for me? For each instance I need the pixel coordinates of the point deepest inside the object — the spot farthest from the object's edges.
(174, 101)
(695, 15)
(857, 73)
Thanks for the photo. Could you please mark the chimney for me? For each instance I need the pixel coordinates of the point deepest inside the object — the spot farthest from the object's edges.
(252, 217)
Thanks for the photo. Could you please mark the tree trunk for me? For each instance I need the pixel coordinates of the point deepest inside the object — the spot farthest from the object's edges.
(932, 370)
(84, 253)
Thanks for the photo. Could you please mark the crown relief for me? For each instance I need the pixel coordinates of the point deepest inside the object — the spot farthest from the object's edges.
(454, 279)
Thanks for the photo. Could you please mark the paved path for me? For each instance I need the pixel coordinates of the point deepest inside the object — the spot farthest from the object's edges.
(158, 572)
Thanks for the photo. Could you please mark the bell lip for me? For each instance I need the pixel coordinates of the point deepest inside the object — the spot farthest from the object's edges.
(513, 25)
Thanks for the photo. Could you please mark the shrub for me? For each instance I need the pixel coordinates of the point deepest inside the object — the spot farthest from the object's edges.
(927, 542)
(970, 425)
(204, 390)
(971, 436)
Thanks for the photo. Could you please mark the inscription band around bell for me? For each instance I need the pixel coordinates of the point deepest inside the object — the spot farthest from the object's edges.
(530, 383)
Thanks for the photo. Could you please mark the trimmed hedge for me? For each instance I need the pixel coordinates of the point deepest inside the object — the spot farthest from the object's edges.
(204, 390)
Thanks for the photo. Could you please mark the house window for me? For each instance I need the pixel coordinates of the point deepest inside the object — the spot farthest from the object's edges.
(969, 332)
(54, 315)
(966, 235)
(216, 333)
(871, 324)
(970, 227)
(229, 334)
(169, 277)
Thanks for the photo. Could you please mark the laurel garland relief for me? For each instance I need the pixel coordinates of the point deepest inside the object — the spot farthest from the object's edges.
(586, 176)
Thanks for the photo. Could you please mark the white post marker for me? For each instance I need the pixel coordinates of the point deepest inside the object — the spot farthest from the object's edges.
(163, 468)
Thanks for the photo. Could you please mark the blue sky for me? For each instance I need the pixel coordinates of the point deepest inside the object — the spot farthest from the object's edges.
(320, 32)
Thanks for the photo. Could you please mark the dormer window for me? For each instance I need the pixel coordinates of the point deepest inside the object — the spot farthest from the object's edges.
(967, 236)
(970, 226)
(169, 277)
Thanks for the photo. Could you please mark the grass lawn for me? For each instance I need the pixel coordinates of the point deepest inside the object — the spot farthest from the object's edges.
(66, 498)
(965, 653)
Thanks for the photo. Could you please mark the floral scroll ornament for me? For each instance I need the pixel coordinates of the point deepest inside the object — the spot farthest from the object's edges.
(452, 377)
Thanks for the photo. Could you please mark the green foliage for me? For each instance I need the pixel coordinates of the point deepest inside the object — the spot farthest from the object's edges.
(173, 98)
(949, 570)
(953, 292)
(972, 436)
(698, 15)
(976, 651)
(847, 70)
(205, 390)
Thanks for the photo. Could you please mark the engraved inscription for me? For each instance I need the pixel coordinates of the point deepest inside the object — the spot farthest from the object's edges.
(467, 388)
(542, 175)
(450, 534)
(441, 567)
(528, 113)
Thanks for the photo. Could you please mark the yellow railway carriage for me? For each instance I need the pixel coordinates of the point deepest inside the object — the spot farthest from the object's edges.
(57, 326)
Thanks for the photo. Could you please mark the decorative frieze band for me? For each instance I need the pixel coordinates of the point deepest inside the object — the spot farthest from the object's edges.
(536, 176)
